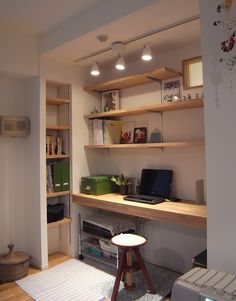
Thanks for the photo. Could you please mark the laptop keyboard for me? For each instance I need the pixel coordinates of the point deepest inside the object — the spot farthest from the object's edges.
(141, 198)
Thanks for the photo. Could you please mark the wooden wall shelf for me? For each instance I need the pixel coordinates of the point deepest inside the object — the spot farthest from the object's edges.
(145, 145)
(57, 127)
(64, 221)
(134, 80)
(160, 107)
(58, 156)
(56, 101)
(56, 194)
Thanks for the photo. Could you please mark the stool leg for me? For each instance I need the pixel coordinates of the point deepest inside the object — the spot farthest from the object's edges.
(118, 276)
(145, 272)
(129, 285)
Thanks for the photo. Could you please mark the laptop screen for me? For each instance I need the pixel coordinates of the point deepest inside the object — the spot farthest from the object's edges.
(156, 182)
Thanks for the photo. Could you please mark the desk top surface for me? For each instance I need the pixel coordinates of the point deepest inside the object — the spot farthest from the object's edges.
(183, 212)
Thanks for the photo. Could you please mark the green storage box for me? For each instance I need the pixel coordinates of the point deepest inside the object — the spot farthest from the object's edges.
(97, 185)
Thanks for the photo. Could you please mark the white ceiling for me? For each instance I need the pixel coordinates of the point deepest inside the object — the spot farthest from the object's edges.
(37, 17)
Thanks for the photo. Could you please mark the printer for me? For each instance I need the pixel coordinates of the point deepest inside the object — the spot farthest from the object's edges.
(204, 285)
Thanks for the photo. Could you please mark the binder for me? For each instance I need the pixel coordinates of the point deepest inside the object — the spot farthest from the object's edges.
(56, 171)
(65, 176)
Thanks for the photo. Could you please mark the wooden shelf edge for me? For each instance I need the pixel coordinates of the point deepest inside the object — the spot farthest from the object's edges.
(134, 80)
(146, 145)
(66, 156)
(160, 107)
(57, 101)
(64, 221)
(56, 194)
(57, 127)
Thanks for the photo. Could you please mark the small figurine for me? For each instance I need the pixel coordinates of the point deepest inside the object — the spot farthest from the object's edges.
(94, 111)
(189, 97)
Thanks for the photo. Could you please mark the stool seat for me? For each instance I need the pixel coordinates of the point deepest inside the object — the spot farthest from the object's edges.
(130, 243)
(128, 240)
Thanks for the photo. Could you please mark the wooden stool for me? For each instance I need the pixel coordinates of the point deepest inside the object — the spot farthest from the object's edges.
(129, 243)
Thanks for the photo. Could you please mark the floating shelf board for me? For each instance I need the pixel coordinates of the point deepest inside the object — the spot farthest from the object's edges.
(57, 127)
(134, 80)
(64, 221)
(160, 107)
(56, 194)
(56, 101)
(146, 145)
(58, 156)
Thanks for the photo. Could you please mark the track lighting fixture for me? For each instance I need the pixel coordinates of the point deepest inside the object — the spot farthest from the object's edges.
(120, 64)
(147, 55)
(95, 70)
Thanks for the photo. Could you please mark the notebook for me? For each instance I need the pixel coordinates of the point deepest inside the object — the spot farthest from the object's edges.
(155, 186)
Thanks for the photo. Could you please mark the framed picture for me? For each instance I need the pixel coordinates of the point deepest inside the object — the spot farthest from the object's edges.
(127, 133)
(110, 100)
(140, 135)
(171, 90)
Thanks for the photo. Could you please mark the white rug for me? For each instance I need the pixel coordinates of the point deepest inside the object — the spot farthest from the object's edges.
(77, 281)
(72, 280)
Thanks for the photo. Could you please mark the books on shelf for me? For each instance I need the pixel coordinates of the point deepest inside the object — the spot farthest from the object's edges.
(53, 145)
(104, 131)
(112, 131)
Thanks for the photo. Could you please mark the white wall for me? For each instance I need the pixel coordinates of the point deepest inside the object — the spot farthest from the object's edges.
(220, 111)
(188, 164)
(20, 214)
(18, 54)
(12, 184)
(20, 217)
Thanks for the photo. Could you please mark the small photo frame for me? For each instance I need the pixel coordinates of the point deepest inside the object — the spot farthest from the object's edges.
(110, 100)
(127, 133)
(140, 135)
(171, 90)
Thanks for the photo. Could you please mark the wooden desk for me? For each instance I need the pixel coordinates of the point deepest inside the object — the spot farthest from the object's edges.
(183, 212)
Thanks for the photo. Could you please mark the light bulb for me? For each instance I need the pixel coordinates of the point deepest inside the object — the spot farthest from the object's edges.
(120, 64)
(147, 56)
(95, 70)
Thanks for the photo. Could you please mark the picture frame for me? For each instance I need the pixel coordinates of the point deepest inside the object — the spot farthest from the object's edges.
(110, 100)
(171, 90)
(140, 135)
(192, 73)
(127, 133)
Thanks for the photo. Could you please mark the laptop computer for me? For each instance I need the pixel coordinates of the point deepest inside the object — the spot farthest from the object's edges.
(155, 186)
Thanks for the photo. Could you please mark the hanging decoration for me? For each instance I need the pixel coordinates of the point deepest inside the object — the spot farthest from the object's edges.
(227, 46)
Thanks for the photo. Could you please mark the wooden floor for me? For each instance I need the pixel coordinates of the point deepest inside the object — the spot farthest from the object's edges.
(12, 292)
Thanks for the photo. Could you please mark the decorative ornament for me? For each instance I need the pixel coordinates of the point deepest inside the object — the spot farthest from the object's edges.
(227, 46)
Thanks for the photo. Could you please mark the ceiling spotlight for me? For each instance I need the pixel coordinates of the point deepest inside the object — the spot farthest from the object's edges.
(147, 55)
(95, 70)
(120, 64)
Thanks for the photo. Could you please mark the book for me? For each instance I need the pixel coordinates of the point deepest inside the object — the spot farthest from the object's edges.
(127, 134)
(112, 131)
(65, 175)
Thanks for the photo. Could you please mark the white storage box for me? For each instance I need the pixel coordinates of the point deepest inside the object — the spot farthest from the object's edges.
(106, 245)
(204, 285)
